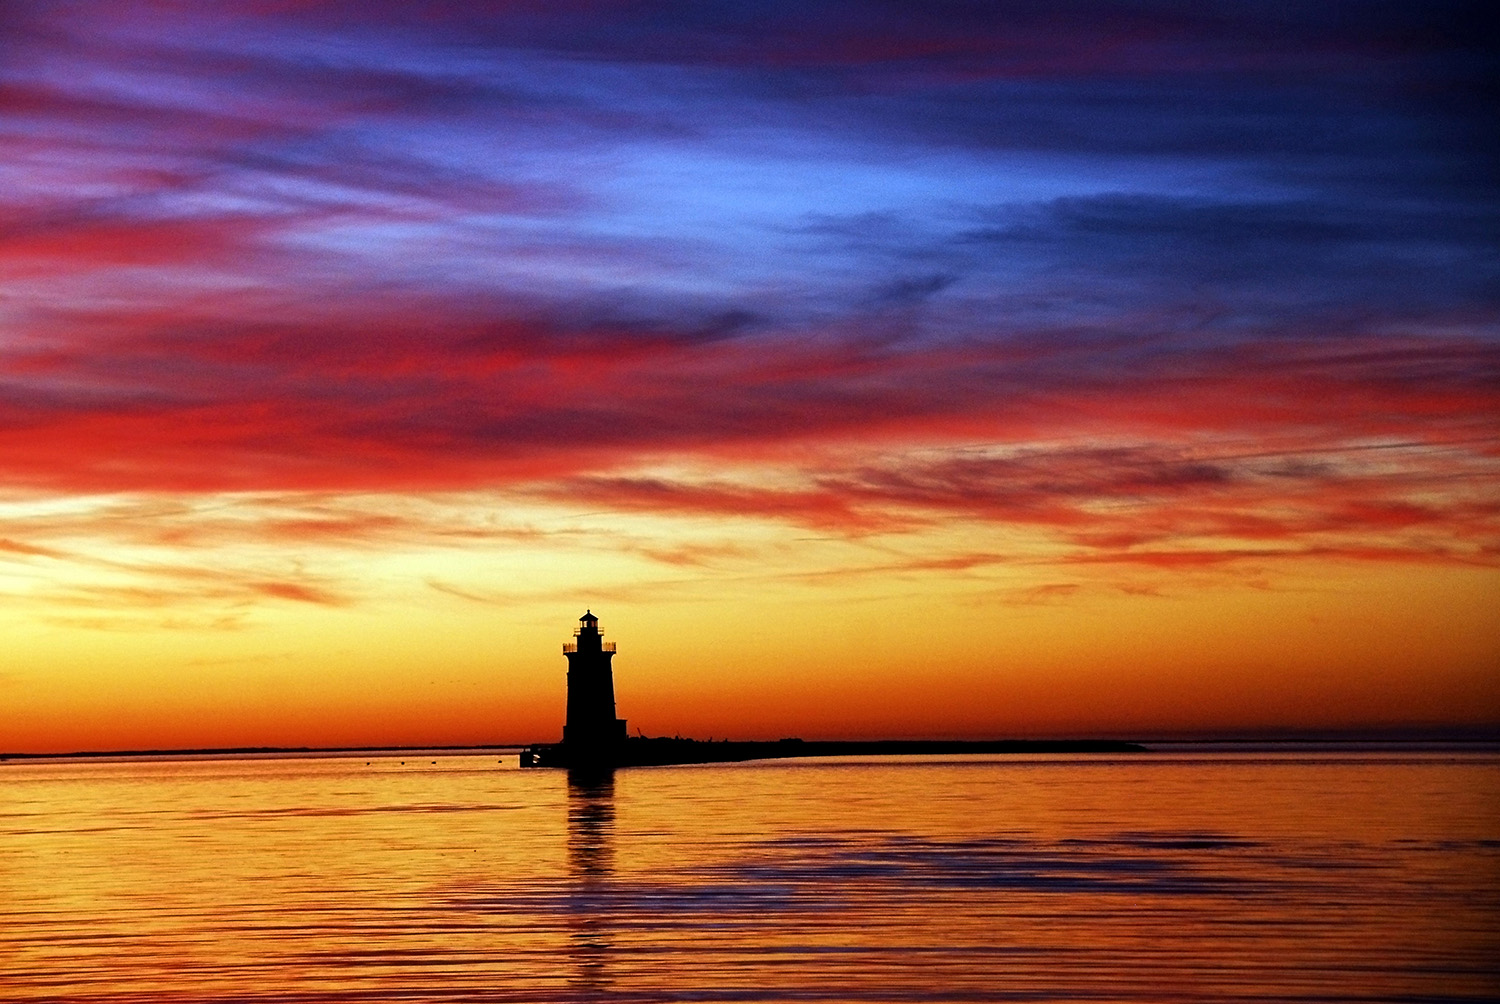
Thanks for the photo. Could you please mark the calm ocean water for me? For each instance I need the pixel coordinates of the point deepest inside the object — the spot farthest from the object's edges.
(1180, 876)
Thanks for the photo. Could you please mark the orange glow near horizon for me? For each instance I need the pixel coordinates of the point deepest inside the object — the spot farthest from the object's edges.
(763, 633)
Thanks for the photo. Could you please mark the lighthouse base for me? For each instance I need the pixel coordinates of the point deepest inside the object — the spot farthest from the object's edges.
(608, 733)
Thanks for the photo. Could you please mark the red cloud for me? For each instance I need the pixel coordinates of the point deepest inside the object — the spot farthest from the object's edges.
(399, 404)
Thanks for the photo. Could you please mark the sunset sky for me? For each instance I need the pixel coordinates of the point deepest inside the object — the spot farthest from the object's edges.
(886, 369)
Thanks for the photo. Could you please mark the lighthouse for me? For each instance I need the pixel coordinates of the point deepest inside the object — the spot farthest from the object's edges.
(592, 730)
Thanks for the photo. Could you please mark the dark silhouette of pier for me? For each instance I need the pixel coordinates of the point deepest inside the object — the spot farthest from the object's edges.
(594, 739)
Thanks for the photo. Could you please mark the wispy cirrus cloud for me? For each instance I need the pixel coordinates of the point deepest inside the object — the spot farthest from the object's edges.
(1140, 505)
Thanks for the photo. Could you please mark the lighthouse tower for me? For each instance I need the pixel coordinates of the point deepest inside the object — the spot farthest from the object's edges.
(592, 727)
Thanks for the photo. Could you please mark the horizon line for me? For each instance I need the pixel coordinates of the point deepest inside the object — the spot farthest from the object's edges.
(1489, 736)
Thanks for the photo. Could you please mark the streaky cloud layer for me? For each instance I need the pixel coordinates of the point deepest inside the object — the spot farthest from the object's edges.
(321, 246)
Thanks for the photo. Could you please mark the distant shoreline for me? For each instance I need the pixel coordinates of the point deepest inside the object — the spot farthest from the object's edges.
(812, 747)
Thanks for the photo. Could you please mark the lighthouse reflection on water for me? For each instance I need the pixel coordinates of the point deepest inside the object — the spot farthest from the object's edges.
(591, 861)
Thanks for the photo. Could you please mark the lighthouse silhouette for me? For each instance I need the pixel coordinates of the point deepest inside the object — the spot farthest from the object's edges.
(592, 731)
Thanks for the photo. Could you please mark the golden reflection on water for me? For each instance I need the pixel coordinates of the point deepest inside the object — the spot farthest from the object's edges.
(1170, 877)
(591, 821)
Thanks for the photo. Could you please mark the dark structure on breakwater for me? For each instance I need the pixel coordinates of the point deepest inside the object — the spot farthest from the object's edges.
(592, 728)
(592, 736)
(594, 739)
